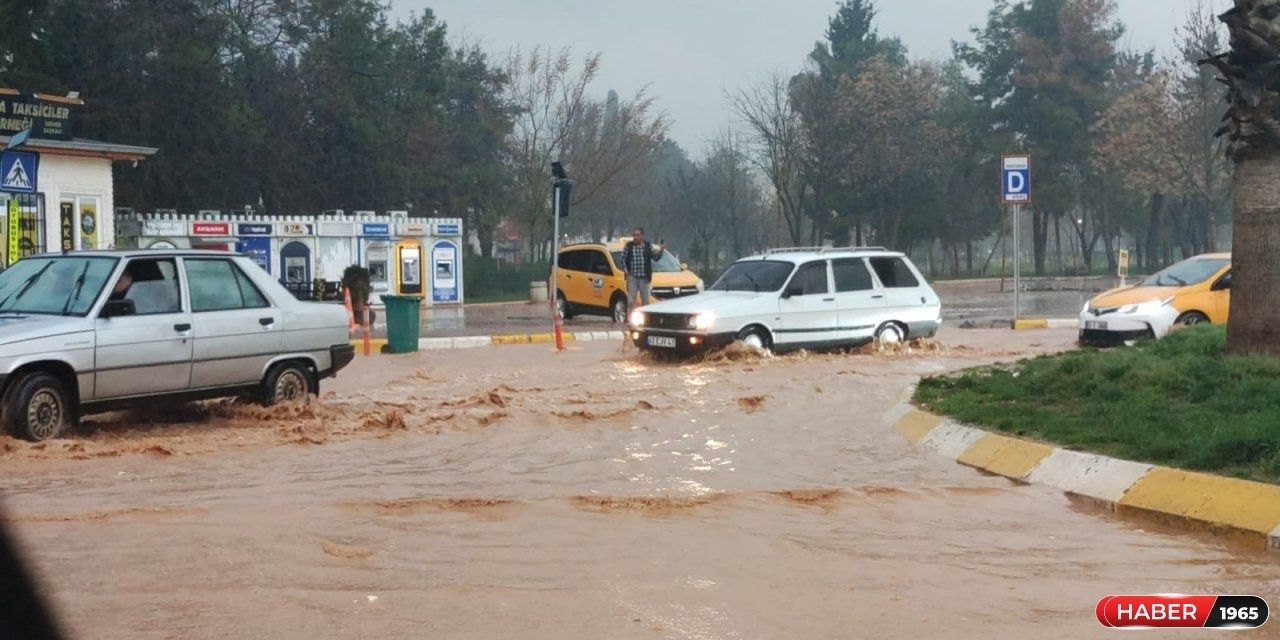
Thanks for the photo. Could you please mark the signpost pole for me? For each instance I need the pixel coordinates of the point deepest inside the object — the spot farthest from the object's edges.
(1015, 190)
(557, 322)
(1017, 264)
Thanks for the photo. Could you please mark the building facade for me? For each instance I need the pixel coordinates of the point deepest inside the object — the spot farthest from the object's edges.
(404, 255)
(63, 198)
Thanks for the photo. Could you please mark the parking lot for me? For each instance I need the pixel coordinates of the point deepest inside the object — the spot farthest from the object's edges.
(595, 493)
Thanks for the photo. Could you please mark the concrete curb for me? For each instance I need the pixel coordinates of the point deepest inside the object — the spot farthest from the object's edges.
(1045, 323)
(1241, 509)
(472, 342)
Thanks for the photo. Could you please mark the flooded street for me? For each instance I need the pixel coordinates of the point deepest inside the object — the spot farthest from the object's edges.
(513, 492)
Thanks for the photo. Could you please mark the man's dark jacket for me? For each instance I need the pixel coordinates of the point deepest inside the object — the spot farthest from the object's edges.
(651, 253)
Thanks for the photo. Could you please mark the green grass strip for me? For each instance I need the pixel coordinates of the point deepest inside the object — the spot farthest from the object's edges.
(1177, 402)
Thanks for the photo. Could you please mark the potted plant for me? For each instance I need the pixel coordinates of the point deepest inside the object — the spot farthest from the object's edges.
(356, 279)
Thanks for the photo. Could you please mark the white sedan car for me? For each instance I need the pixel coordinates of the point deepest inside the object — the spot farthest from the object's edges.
(797, 298)
(89, 331)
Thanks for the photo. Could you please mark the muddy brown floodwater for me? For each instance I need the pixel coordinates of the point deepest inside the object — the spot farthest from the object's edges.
(512, 492)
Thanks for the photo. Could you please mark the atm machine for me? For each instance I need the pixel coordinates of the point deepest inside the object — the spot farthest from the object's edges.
(445, 277)
(410, 262)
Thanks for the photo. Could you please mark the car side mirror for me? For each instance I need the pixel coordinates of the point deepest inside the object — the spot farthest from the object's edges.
(1223, 284)
(792, 290)
(115, 308)
(684, 265)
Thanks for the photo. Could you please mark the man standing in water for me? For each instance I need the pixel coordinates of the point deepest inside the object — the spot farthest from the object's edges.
(637, 259)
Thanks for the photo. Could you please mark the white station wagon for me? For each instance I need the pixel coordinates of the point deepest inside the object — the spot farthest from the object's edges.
(94, 330)
(798, 298)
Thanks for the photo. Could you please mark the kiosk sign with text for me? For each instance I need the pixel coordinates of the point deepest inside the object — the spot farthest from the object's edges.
(1015, 179)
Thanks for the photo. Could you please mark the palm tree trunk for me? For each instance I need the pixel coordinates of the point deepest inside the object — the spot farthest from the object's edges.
(1254, 324)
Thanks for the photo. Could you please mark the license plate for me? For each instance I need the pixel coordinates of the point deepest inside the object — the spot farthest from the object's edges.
(661, 341)
(1097, 325)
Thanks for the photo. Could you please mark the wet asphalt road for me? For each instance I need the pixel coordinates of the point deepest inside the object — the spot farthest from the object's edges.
(513, 492)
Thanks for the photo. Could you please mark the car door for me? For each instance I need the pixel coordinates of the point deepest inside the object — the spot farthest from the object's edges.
(149, 351)
(1221, 295)
(237, 331)
(859, 302)
(570, 277)
(598, 273)
(807, 310)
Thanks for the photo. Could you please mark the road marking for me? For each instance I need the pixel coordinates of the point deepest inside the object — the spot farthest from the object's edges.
(916, 424)
(1226, 502)
(1009, 457)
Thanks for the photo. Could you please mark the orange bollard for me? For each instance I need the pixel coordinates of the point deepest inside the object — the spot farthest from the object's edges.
(559, 330)
(557, 325)
(367, 346)
(351, 314)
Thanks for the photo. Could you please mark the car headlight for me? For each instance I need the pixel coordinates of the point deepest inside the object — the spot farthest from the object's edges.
(702, 321)
(637, 318)
(701, 286)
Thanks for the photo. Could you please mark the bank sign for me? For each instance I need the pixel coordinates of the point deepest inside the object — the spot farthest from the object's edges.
(46, 118)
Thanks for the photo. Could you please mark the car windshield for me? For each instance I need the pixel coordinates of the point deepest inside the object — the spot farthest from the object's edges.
(1193, 271)
(754, 275)
(666, 264)
(54, 286)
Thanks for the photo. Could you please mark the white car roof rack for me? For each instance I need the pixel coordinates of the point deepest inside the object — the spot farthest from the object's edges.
(820, 249)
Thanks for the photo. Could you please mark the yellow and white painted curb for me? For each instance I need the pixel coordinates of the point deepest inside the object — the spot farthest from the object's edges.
(1241, 509)
(1045, 323)
(471, 342)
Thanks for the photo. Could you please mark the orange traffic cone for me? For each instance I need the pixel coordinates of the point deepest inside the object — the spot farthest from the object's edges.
(351, 314)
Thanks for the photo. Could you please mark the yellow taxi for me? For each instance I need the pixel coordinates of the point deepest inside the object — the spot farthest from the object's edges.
(590, 280)
(1194, 291)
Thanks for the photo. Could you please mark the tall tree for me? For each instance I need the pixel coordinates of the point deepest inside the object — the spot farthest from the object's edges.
(1040, 64)
(557, 119)
(778, 149)
(851, 42)
(1251, 71)
(1138, 140)
(1199, 97)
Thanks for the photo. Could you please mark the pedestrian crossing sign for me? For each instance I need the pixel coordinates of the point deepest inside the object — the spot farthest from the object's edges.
(18, 171)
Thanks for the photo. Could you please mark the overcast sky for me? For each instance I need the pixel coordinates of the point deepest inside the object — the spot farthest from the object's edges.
(690, 52)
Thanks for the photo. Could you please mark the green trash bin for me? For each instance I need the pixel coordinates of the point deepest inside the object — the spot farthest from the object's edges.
(402, 323)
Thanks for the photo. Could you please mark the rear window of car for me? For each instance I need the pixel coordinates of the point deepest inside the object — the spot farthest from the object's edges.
(851, 275)
(218, 285)
(894, 273)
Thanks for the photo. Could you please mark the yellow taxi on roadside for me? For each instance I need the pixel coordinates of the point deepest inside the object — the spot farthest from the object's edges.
(590, 280)
(1194, 291)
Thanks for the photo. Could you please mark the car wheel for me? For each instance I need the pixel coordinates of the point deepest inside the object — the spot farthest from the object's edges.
(37, 407)
(754, 337)
(562, 305)
(1192, 318)
(889, 333)
(619, 307)
(288, 382)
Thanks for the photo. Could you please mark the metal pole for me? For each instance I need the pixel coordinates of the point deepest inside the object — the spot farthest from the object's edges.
(556, 320)
(1017, 264)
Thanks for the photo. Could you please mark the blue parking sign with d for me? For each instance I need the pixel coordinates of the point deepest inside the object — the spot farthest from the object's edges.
(18, 171)
(1015, 179)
